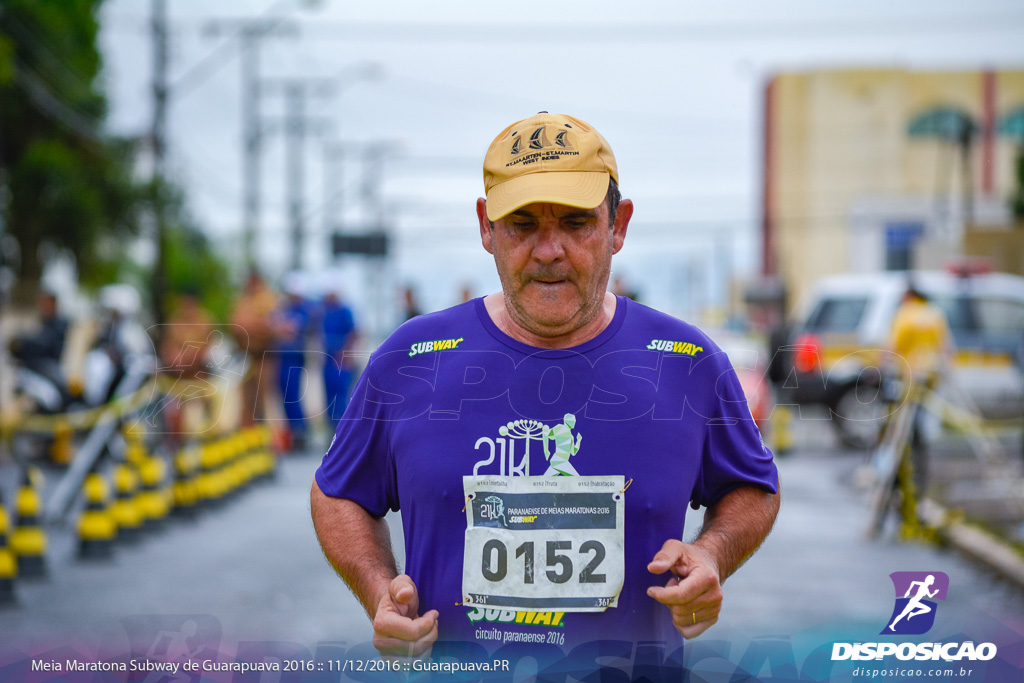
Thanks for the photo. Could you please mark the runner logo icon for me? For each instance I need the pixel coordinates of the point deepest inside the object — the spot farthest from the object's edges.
(916, 593)
(493, 508)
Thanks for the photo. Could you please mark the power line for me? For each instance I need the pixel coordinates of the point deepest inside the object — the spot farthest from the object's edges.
(49, 104)
(69, 75)
(675, 32)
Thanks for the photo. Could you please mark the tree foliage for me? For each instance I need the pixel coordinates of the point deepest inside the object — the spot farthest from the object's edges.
(193, 264)
(70, 185)
(1017, 200)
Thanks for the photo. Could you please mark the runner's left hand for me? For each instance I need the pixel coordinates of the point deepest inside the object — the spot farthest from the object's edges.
(694, 593)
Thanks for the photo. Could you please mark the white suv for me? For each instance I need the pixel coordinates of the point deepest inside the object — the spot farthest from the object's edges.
(843, 328)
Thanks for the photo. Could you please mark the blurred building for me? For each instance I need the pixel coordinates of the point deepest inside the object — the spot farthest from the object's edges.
(868, 170)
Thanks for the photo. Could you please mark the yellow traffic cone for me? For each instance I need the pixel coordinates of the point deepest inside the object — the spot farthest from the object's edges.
(28, 540)
(8, 562)
(96, 526)
(186, 487)
(125, 508)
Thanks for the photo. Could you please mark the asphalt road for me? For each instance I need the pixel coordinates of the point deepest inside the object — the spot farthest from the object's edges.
(251, 570)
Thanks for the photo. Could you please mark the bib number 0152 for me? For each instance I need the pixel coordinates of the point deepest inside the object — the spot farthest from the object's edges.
(544, 543)
(559, 563)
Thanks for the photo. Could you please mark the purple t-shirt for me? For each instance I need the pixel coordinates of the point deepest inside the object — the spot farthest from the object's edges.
(650, 398)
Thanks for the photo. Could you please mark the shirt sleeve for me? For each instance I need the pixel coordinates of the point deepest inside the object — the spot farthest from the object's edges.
(733, 455)
(359, 465)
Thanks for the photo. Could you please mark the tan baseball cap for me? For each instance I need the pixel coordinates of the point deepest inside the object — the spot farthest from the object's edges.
(547, 158)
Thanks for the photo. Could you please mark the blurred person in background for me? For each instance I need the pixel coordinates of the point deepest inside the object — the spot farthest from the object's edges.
(42, 349)
(253, 328)
(338, 335)
(184, 351)
(120, 341)
(39, 352)
(621, 288)
(410, 304)
(292, 325)
(920, 336)
(186, 337)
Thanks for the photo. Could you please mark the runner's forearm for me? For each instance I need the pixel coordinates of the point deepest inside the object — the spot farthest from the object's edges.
(735, 526)
(357, 544)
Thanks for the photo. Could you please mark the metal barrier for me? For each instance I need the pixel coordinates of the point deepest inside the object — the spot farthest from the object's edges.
(117, 486)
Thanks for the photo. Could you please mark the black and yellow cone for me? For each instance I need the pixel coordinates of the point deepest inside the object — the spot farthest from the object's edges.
(8, 562)
(28, 540)
(155, 505)
(125, 508)
(252, 456)
(211, 475)
(202, 476)
(236, 471)
(166, 484)
(153, 495)
(221, 476)
(97, 529)
(133, 460)
(186, 486)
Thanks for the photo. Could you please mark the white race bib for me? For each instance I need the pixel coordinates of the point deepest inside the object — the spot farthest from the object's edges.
(544, 543)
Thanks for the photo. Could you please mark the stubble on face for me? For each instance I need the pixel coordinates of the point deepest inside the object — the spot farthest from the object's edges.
(554, 263)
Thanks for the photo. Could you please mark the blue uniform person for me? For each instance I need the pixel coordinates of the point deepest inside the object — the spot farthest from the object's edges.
(338, 331)
(293, 322)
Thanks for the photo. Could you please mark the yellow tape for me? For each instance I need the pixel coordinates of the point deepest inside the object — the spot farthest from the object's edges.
(77, 420)
(80, 420)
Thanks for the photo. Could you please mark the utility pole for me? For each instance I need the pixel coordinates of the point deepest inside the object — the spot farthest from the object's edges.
(250, 33)
(370, 239)
(251, 144)
(296, 126)
(374, 155)
(159, 142)
(333, 185)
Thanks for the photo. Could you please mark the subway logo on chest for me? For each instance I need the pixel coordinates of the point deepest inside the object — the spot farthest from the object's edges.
(670, 346)
(435, 345)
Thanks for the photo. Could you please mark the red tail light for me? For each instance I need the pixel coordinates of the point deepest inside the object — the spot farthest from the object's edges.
(806, 353)
(968, 266)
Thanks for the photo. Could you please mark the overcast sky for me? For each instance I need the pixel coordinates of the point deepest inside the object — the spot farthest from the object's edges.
(674, 86)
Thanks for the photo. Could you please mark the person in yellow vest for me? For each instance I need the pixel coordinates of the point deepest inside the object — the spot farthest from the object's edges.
(920, 337)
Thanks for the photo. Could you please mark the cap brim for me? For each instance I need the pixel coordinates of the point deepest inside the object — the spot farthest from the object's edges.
(582, 189)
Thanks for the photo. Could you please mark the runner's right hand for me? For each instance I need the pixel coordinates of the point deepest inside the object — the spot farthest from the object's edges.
(397, 627)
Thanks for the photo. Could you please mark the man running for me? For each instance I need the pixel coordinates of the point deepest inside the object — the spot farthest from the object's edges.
(554, 347)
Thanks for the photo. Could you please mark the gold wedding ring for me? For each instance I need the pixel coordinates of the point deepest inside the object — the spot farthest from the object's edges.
(694, 617)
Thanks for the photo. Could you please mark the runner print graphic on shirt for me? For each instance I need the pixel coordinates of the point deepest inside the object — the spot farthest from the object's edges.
(564, 448)
(558, 444)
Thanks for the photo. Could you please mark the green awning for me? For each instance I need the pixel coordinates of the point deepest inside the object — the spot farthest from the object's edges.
(1011, 124)
(947, 123)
